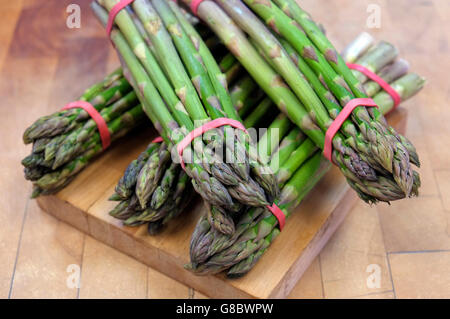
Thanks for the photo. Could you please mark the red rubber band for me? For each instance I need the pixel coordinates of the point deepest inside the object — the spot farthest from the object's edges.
(278, 213)
(204, 128)
(114, 11)
(158, 139)
(374, 77)
(194, 5)
(98, 119)
(340, 119)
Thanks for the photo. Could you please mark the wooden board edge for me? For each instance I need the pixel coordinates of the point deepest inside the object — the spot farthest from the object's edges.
(70, 214)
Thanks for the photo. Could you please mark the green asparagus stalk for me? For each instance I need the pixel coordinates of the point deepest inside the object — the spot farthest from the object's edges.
(389, 73)
(228, 62)
(355, 49)
(241, 91)
(272, 137)
(255, 116)
(150, 174)
(64, 121)
(117, 129)
(376, 58)
(127, 183)
(162, 192)
(69, 146)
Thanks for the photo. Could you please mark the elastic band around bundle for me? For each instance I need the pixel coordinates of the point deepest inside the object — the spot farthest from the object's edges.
(374, 77)
(203, 129)
(158, 139)
(194, 5)
(279, 215)
(340, 119)
(113, 13)
(98, 119)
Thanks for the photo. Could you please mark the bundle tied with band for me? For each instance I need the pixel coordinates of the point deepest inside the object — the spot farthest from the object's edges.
(66, 141)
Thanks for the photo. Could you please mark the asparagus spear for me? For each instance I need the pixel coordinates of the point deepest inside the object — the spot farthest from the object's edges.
(117, 128)
(286, 147)
(150, 174)
(68, 147)
(261, 109)
(64, 121)
(389, 73)
(127, 183)
(162, 192)
(212, 89)
(304, 91)
(354, 49)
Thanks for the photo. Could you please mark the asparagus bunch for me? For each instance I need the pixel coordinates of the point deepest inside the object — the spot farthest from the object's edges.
(308, 80)
(154, 189)
(181, 86)
(299, 166)
(65, 141)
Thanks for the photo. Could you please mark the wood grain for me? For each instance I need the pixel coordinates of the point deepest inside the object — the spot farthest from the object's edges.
(42, 269)
(109, 274)
(421, 275)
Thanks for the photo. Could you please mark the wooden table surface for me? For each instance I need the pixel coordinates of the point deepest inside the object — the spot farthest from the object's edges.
(397, 251)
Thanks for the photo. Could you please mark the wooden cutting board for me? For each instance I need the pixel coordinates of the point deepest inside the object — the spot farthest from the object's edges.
(84, 204)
